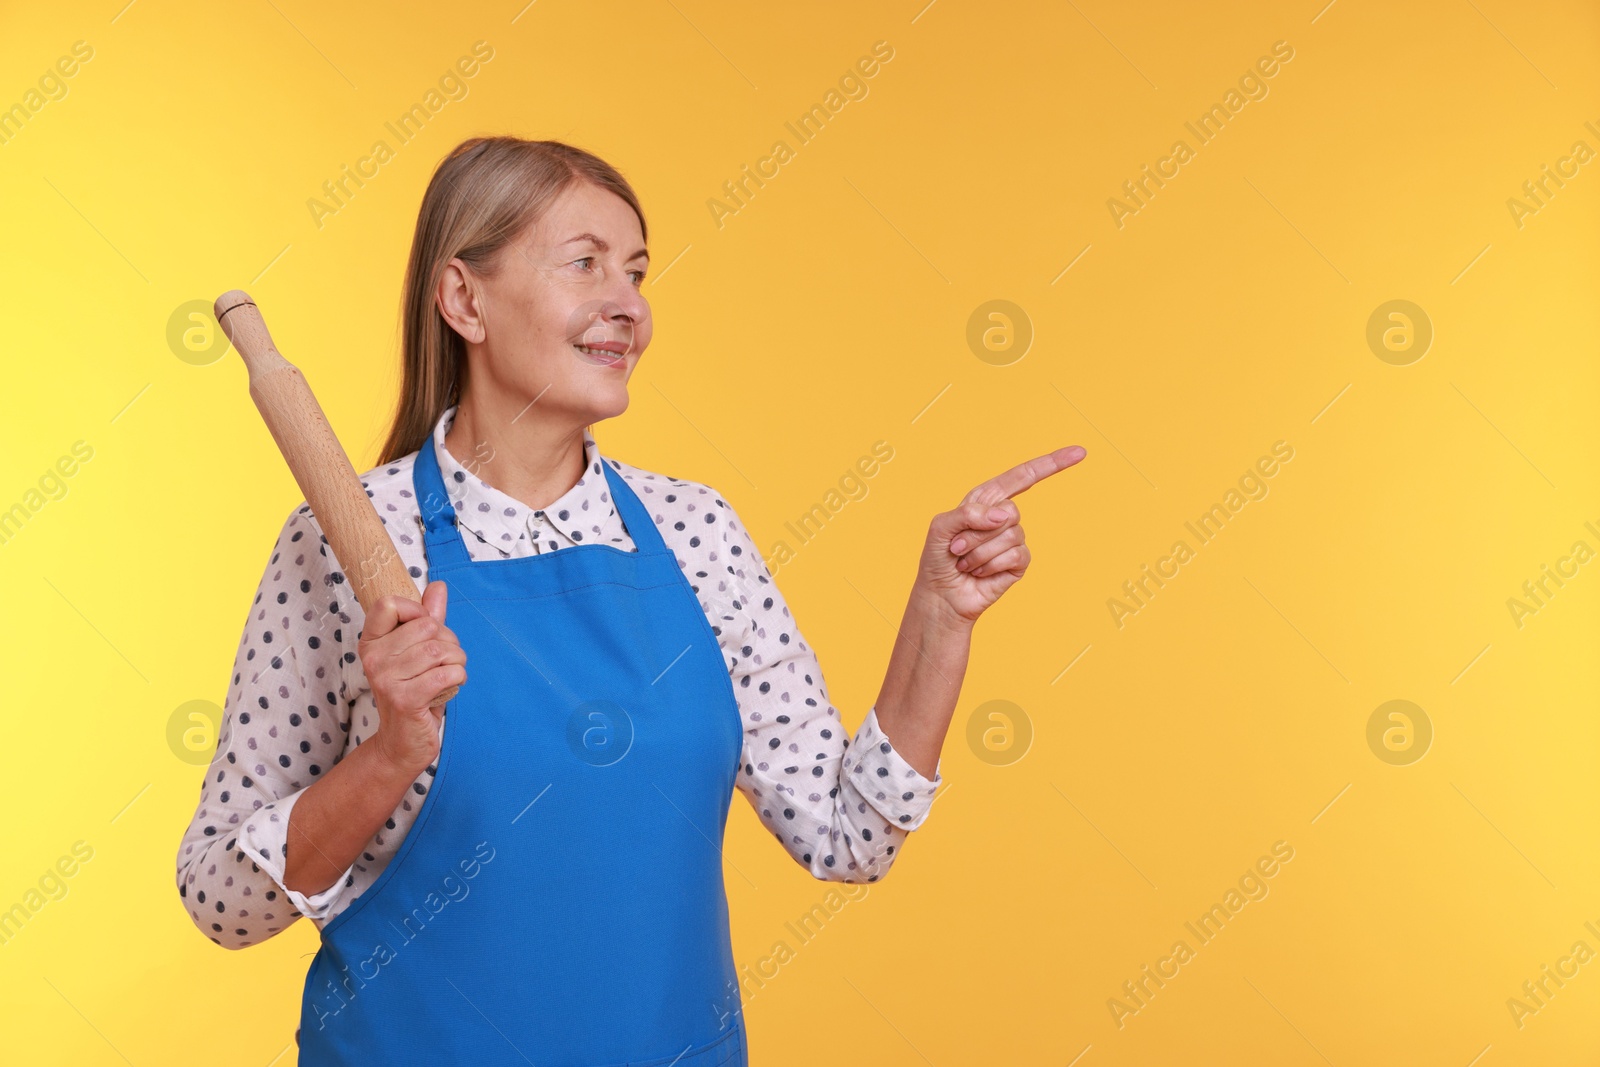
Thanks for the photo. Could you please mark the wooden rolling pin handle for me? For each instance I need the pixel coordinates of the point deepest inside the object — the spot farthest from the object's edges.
(319, 463)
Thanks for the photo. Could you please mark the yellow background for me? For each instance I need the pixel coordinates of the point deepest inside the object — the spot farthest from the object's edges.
(828, 313)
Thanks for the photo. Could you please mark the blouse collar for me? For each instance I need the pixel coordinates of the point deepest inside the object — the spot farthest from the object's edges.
(584, 514)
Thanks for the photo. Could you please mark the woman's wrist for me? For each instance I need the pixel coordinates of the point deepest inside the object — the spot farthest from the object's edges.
(388, 770)
(936, 613)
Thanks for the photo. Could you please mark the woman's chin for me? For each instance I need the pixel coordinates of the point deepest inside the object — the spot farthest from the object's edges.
(612, 403)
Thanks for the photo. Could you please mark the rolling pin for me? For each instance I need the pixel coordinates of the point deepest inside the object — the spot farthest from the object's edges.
(331, 486)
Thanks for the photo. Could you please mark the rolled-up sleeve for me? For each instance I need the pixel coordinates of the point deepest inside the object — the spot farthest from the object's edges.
(898, 791)
(264, 837)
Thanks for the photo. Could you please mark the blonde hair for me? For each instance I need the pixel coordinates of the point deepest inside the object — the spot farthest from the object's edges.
(484, 194)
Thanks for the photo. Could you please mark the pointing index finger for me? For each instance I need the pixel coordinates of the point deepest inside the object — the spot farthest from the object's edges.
(1024, 475)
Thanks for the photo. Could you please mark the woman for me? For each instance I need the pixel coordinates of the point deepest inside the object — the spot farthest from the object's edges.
(557, 897)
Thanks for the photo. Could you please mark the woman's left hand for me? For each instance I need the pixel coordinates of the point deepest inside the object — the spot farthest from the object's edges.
(976, 552)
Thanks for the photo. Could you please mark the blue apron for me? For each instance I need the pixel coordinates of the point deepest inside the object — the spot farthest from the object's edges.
(559, 900)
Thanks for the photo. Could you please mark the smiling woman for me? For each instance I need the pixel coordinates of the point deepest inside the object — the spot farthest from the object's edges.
(633, 665)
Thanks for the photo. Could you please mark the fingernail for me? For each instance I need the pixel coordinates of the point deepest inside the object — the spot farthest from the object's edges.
(959, 545)
(998, 515)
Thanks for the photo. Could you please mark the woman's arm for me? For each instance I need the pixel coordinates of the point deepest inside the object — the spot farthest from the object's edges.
(840, 806)
(335, 818)
(285, 722)
(337, 815)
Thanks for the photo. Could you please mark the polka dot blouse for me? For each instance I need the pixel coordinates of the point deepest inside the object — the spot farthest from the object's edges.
(299, 700)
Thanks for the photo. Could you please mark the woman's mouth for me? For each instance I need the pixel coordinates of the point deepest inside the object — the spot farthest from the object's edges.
(607, 354)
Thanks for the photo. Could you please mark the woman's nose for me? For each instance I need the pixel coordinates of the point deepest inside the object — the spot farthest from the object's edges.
(629, 310)
(629, 298)
(621, 317)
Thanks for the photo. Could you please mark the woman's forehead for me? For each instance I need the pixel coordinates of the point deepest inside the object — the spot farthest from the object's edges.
(584, 208)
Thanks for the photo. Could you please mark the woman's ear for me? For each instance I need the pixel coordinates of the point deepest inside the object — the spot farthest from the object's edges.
(458, 301)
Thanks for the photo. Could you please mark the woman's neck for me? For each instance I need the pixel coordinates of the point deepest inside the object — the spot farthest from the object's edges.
(530, 459)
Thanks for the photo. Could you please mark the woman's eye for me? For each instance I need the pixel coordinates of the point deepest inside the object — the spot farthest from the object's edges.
(639, 273)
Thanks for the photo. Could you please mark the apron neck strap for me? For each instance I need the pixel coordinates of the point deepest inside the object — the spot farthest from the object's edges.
(442, 534)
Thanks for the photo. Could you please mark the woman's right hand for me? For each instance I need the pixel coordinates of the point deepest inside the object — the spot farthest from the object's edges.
(409, 656)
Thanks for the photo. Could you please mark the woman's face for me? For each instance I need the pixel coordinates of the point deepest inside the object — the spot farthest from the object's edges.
(562, 322)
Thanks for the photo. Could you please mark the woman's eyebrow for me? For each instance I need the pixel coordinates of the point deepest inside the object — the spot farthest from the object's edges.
(602, 246)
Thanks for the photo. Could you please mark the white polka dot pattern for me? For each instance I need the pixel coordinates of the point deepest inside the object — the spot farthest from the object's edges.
(298, 697)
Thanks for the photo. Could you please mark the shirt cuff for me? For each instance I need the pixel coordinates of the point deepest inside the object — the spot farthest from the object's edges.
(897, 790)
(264, 837)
